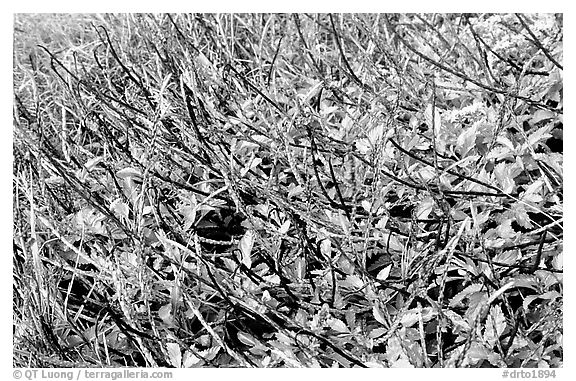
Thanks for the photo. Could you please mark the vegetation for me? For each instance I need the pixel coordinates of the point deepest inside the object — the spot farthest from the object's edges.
(271, 190)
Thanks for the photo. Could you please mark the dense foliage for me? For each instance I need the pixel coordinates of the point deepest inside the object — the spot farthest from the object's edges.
(288, 190)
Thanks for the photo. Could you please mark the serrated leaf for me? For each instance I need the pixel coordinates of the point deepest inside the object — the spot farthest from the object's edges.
(363, 146)
(120, 208)
(527, 281)
(534, 187)
(412, 316)
(375, 134)
(393, 349)
(541, 115)
(539, 135)
(352, 282)
(295, 190)
(495, 325)
(505, 174)
(477, 352)
(458, 298)
(505, 142)
(409, 318)
(210, 354)
(551, 295)
(475, 301)
(521, 216)
(376, 333)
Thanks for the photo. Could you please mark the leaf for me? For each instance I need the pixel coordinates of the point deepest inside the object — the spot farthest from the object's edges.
(550, 295)
(475, 301)
(326, 248)
(363, 146)
(90, 164)
(477, 352)
(338, 325)
(466, 140)
(539, 135)
(411, 317)
(245, 245)
(505, 142)
(314, 90)
(558, 261)
(120, 208)
(459, 323)
(437, 122)
(174, 354)
(521, 216)
(392, 243)
(300, 268)
(294, 190)
(210, 354)
(165, 313)
(527, 281)
(505, 174)
(425, 208)
(456, 300)
(531, 195)
(376, 333)
(254, 162)
(541, 115)
(495, 325)
(128, 172)
(379, 315)
(352, 282)
(505, 230)
(402, 362)
(189, 213)
(508, 257)
(395, 354)
(376, 134)
(384, 273)
(246, 339)
(284, 227)
(190, 360)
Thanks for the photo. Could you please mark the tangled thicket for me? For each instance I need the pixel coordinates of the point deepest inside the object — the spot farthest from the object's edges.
(288, 190)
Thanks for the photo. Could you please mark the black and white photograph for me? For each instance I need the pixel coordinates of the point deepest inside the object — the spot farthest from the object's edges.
(287, 190)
